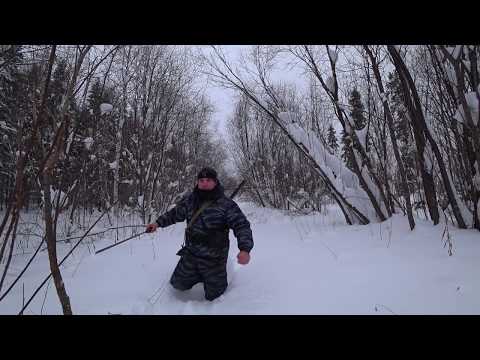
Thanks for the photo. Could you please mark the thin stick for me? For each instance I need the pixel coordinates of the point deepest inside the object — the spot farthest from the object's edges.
(81, 259)
(12, 243)
(61, 262)
(30, 234)
(153, 248)
(23, 271)
(101, 232)
(331, 251)
(157, 294)
(118, 243)
(384, 307)
(390, 233)
(45, 297)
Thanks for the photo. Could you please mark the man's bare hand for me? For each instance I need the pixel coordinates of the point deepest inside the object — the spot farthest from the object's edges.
(243, 257)
(151, 228)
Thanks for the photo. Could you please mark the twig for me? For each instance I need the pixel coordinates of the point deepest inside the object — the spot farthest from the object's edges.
(448, 238)
(12, 243)
(380, 227)
(120, 242)
(296, 207)
(390, 233)
(61, 262)
(81, 259)
(158, 293)
(45, 297)
(153, 248)
(31, 223)
(23, 271)
(333, 253)
(23, 253)
(384, 307)
(297, 228)
(28, 234)
(101, 232)
(97, 233)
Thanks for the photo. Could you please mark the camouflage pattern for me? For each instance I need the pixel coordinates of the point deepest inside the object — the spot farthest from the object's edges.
(191, 270)
(205, 252)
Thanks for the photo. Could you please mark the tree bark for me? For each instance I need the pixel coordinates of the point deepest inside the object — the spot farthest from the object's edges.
(416, 119)
(405, 190)
(51, 239)
(356, 167)
(421, 124)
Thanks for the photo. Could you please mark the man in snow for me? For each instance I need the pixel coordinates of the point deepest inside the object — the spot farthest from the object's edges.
(209, 214)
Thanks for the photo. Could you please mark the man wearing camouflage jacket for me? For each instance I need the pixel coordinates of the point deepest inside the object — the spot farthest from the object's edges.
(205, 251)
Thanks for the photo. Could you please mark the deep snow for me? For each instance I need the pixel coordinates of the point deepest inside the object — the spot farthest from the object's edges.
(309, 264)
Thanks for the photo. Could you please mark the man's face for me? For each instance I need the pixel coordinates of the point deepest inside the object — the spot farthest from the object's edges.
(206, 184)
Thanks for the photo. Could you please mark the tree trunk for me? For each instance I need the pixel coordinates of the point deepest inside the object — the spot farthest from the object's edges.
(357, 168)
(403, 175)
(46, 173)
(416, 117)
(116, 170)
(51, 239)
(420, 120)
(13, 225)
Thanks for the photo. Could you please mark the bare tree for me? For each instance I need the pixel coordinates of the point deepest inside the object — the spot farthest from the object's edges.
(421, 132)
(223, 71)
(389, 118)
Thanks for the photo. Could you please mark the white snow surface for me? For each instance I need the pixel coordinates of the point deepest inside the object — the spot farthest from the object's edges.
(333, 55)
(457, 51)
(105, 108)
(309, 264)
(88, 143)
(362, 136)
(473, 106)
(331, 84)
(3, 125)
(384, 97)
(336, 171)
(173, 184)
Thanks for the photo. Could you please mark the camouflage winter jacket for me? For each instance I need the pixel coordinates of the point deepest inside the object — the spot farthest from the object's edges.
(208, 235)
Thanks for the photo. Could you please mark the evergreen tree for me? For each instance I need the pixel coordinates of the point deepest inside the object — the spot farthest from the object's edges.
(359, 121)
(12, 106)
(357, 112)
(401, 125)
(98, 151)
(95, 97)
(398, 108)
(332, 139)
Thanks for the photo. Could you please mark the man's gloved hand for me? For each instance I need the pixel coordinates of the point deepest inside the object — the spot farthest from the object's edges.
(151, 228)
(243, 257)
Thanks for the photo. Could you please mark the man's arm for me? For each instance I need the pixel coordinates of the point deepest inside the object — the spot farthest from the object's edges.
(237, 221)
(172, 216)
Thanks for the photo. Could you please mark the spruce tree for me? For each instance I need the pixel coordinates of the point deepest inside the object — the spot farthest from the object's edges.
(359, 121)
(401, 125)
(332, 139)
(12, 107)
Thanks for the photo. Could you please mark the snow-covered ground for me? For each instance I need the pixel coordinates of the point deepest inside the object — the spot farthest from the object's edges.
(312, 264)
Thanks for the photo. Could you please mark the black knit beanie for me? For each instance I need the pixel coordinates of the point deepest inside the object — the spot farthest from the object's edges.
(207, 172)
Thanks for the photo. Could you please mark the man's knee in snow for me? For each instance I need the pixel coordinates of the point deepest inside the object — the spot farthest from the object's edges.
(212, 295)
(179, 286)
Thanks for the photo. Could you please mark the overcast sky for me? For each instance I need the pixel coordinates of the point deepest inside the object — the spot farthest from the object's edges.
(223, 99)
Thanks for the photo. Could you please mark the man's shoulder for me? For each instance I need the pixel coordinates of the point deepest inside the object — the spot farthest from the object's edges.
(227, 202)
(188, 196)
